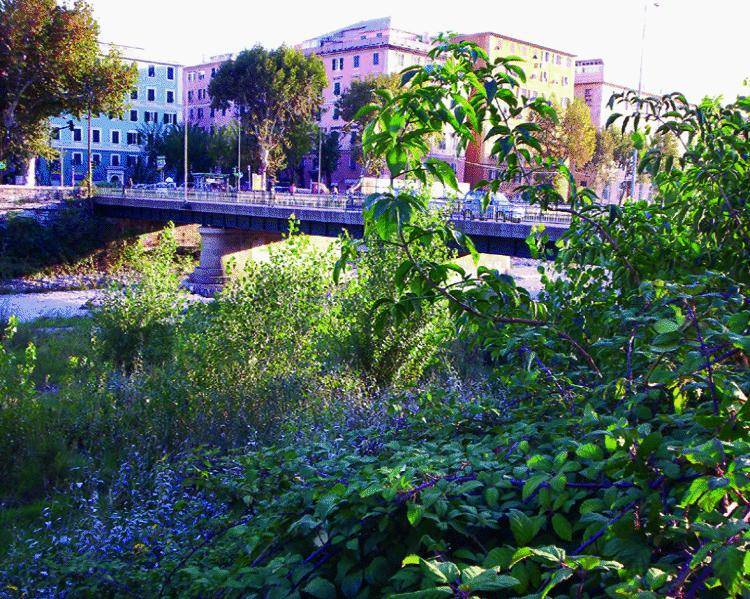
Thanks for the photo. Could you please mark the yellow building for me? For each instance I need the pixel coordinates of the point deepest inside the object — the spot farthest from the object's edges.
(550, 73)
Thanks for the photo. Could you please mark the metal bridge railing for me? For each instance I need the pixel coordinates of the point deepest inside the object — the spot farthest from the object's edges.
(514, 213)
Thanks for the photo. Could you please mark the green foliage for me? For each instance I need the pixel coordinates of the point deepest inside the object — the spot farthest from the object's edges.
(51, 64)
(612, 460)
(275, 92)
(350, 103)
(70, 239)
(136, 323)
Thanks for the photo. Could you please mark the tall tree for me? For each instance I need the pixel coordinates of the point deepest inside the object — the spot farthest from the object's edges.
(274, 92)
(330, 154)
(572, 138)
(359, 94)
(50, 63)
(577, 134)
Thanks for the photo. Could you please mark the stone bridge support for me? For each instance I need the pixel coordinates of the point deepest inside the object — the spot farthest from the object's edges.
(218, 246)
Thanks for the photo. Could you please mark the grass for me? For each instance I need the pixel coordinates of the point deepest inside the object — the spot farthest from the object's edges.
(57, 340)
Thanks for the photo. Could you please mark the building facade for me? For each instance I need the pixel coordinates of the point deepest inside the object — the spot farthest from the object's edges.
(197, 107)
(358, 52)
(117, 140)
(550, 73)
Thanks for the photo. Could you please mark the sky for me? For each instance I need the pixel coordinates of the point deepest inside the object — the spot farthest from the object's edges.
(693, 46)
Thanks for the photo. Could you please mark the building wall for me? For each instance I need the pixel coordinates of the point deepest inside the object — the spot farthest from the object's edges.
(113, 156)
(358, 52)
(550, 73)
(198, 111)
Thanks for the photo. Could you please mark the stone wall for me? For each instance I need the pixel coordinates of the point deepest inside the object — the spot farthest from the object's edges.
(19, 197)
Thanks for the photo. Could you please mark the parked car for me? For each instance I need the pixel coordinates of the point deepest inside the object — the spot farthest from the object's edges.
(498, 206)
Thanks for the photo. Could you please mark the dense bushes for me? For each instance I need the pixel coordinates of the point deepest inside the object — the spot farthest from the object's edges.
(69, 239)
(272, 353)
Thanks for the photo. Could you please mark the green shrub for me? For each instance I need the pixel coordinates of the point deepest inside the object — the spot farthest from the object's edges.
(136, 324)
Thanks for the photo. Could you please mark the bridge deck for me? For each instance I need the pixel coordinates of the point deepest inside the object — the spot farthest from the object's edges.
(495, 232)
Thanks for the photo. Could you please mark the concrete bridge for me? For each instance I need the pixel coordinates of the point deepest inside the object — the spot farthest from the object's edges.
(232, 222)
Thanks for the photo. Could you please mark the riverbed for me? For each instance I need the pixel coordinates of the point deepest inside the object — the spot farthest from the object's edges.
(31, 306)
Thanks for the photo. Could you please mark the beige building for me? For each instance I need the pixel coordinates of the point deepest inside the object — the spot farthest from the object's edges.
(550, 73)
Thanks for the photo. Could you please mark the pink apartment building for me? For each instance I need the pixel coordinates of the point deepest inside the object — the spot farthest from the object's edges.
(197, 102)
(356, 52)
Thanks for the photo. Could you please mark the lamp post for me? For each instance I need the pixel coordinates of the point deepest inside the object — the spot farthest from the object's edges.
(239, 148)
(640, 88)
(186, 124)
(320, 155)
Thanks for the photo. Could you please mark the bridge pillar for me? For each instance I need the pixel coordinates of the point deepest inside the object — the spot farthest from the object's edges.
(210, 275)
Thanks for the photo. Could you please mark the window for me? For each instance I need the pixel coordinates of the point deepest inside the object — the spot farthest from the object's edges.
(376, 58)
(190, 95)
(341, 63)
(170, 73)
(223, 112)
(134, 94)
(212, 112)
(151, 70)
(191, 113)
(115, 137)
(147, 116)
(114, 160)
(131, 160)
(201, 75)
(200, 113)
(546, 57)
(133, 138)
(565, 81)
(77, 134)
(77, 159)
(334, 64)
(336, 114)
(96, 159)
(170, 97)
(356, 61)
(133, 115)
(151, 94)
(352, 161)
(166, 118)
(400, 59)
(213, 72)
(336, 88)
(96, 136)
(55, 134)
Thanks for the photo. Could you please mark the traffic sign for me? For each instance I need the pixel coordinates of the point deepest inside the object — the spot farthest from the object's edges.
(161, 162)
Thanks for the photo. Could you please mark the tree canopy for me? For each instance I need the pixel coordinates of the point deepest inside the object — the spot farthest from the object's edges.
(570, 136)
(275, 91)
(359, 94)
(50, 64)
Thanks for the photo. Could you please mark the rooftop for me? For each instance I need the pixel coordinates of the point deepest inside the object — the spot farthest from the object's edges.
(516, 40)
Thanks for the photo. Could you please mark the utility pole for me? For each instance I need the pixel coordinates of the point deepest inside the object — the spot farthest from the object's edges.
(239, 155)
(640, 90)
(320, 155)
(88, 151)
(185, 155)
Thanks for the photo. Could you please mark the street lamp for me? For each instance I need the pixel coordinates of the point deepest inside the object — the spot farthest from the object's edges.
(185, 124)
(640, 85)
